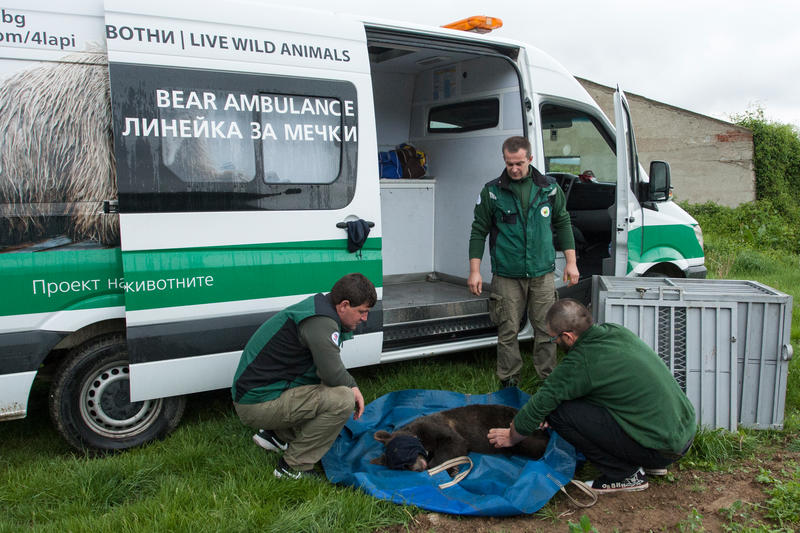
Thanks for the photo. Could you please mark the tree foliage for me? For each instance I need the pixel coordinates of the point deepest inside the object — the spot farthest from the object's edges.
(772, 222)
(776, 157)
(759, 225)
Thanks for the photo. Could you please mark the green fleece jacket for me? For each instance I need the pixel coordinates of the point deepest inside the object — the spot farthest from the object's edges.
(297, 346)
(520, 218)
(610, 366)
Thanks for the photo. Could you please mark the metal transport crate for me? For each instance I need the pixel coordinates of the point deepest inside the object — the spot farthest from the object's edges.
(727, 342)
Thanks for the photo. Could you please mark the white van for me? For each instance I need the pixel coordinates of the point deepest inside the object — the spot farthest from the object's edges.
(173, 173)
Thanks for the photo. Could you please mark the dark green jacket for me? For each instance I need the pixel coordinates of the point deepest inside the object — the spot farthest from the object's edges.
(610, 366)
(275, 359)
(521, 244)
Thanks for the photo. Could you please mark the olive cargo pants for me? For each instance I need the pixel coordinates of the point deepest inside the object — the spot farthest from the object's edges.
(309, 418)
(509, 299)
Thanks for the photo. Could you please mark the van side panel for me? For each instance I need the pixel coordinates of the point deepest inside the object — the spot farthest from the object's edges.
(59, 251)
(14, 391)
(238, 162)
(666, 236)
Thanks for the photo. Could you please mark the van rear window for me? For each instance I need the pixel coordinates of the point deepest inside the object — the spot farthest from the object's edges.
(464, 116)
(196, 140)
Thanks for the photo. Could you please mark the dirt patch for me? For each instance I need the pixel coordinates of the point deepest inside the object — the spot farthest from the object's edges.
(686, 500)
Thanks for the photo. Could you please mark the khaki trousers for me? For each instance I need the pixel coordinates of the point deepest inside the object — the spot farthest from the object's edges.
(309, 418)
(509, 299)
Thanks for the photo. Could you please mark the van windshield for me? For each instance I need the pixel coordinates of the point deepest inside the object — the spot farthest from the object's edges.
(575, 142)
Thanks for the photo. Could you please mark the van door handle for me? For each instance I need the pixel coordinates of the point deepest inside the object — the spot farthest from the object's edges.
(343, 225)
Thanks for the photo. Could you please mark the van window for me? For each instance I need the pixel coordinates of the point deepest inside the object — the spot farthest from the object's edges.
(196, 140)
(315, 160)
(206, 159)
(575, 142)
(464, 116)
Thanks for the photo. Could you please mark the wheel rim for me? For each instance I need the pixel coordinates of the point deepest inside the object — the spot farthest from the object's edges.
(105, 406)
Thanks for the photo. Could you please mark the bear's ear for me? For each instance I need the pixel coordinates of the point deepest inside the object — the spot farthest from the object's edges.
(382, 436)
(381, 460)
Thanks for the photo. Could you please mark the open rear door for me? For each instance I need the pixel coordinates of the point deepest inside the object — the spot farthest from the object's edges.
(236, 134)
(627, 171)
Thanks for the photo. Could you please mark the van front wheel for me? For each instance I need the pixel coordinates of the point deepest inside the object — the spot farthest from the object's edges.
(90, 401)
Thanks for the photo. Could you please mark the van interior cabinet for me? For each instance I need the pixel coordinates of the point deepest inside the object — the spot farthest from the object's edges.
(407, 208)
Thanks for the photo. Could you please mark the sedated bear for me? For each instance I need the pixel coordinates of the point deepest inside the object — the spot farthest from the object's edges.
(430, 440)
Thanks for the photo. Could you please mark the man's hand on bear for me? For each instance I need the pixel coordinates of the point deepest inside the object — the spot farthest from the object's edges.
(500, 437)
(504, 437)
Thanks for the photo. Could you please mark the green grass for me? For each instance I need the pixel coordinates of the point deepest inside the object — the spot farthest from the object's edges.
(719, 449)
(208, 476)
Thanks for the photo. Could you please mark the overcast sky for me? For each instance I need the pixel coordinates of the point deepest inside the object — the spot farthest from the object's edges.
(710, 56)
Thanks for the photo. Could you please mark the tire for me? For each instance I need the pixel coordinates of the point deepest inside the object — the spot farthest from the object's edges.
(90, 401)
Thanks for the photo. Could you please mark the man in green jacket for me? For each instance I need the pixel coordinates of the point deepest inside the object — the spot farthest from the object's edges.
(612, 398)
(291, 382)
(519, 211)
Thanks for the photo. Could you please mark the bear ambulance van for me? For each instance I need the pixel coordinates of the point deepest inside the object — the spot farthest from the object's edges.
(174, 173)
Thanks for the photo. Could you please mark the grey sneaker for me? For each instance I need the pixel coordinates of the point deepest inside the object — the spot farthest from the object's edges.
(283, 470)
(509, 382)
(636, 481)
(269, 441)
(656, 471)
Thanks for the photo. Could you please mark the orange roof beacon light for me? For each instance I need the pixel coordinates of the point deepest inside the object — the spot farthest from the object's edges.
(478, 24)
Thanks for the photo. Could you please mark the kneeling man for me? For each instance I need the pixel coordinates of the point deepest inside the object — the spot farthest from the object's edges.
(291, 382)
(612, 398)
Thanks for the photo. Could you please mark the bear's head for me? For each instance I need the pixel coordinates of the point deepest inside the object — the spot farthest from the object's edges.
(403, 451)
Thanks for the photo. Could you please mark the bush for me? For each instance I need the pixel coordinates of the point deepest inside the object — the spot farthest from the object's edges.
(772, 222)
(776, 157)
(749, 264)
(761, 225)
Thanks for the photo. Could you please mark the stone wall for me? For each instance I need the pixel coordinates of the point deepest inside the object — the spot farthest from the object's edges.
(710, 159)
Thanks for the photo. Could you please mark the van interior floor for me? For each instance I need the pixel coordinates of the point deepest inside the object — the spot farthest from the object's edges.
(424, 311)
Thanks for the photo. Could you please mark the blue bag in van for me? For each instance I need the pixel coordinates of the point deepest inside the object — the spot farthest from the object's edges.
(389, 165)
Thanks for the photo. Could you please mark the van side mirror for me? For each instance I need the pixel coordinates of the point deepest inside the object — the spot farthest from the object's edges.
(659, 181)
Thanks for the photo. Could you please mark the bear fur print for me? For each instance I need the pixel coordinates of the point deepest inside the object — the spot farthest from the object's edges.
(56, 159)
(433, 439)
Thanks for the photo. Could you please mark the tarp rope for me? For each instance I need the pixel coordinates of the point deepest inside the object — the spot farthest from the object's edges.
(455, 461)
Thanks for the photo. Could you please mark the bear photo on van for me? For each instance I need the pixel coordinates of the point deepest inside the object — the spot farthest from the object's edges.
(56, 159)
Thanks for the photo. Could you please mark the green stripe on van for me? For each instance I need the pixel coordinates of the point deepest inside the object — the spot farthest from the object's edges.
(655, 244)
(56, 280)
(168, 278)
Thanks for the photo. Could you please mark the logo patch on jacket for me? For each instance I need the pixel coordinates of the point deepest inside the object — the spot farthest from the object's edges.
(335, 338)
(545, 211)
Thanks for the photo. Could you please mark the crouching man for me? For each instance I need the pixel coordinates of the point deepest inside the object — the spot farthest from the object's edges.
(291, 382)
(612, 398)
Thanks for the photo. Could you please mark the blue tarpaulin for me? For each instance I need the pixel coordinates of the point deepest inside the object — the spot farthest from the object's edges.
(498, 485)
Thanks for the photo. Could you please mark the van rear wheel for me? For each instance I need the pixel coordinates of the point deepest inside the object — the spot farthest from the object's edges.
(90, 401)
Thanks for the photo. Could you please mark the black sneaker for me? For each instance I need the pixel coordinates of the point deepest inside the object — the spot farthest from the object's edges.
(283, 470)
(636, 481)
(269, 441)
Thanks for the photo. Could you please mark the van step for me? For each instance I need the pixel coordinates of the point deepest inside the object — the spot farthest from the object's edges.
(414, 301)
(434, 311)
(419, 312)
(411, 334)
